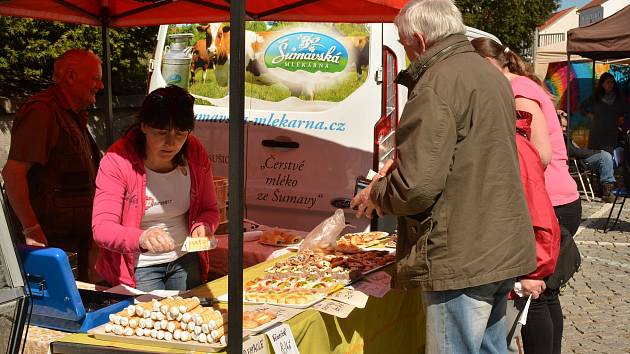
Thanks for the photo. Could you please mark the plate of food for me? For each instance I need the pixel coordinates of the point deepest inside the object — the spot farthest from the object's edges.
(359, 241)
(258, 318)
(279, 238)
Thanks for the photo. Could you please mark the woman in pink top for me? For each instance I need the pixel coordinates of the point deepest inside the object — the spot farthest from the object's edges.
(154, 188)
(543, 332)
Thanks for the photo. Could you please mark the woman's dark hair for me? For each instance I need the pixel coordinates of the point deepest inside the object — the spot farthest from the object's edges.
(505, 57)
(168, 108)
(599, 90)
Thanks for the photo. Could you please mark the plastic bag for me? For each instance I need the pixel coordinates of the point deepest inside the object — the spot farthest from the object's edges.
(325, 235)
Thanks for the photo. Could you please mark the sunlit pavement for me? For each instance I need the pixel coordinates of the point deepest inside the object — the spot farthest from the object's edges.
(596, 302)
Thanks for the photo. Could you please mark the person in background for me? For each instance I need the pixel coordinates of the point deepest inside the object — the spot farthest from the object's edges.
(599, 161)
(464, 228)
(51, 167)
(543, 333)
(140, 219)
(605, 109)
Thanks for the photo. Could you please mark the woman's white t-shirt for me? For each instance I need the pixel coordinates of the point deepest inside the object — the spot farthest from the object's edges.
(166, 206)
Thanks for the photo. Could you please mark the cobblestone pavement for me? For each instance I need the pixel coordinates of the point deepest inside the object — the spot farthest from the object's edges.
(596, 302)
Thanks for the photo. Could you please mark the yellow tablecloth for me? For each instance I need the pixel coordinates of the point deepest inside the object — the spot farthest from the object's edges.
(392, 324)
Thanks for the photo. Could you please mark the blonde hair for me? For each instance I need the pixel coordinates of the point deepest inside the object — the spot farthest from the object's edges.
(435, 19)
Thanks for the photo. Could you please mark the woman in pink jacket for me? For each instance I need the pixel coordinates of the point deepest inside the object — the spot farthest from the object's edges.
(153, 189)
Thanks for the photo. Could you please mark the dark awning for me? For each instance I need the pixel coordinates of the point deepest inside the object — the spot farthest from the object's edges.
(606, 39)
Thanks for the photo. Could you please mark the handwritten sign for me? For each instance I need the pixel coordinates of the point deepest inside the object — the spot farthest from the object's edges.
(350, 297)
(255, 345)
(282, 340)
(335, 308)
(197, 244)
(376, 284)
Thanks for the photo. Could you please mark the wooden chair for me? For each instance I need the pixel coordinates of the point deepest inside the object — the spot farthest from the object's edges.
(580, 172)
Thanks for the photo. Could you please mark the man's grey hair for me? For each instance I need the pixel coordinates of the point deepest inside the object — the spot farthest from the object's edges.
(73, 58)
(435, 19)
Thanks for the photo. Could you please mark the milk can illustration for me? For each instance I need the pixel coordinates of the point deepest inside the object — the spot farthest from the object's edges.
(177, 59)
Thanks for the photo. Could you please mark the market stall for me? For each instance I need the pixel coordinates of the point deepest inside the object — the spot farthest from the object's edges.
(125, 13)
(391, 322)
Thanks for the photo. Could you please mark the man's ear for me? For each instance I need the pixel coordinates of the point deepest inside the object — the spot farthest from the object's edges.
(70, 76)
(420, 41)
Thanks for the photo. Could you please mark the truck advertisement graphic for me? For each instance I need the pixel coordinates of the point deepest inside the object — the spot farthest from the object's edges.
(300, 66)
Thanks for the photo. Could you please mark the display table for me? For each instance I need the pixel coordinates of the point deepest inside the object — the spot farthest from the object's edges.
(253, 253)
(391, 324)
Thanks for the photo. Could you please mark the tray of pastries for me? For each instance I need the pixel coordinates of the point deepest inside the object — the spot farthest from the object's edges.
(302, 280)
(295, 298)
(172, 322)
(338, 265)
(279, 237)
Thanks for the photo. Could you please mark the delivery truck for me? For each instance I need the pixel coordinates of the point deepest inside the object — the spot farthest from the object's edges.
(321, 109)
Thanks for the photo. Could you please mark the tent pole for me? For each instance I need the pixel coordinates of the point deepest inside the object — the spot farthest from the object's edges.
(568, 135)
(107, 76)
(236, 176)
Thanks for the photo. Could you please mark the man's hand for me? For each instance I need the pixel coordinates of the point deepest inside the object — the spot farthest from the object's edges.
(534, 287)
(362, 203)
(387, 167)
(36, 237)
(156, 240)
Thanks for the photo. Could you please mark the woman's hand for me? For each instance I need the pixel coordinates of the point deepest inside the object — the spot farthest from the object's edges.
(534, 287)
(156, 240)
(36, 237)
(204, 231)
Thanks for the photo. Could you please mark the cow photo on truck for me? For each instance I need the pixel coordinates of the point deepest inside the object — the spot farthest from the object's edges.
(211, 50)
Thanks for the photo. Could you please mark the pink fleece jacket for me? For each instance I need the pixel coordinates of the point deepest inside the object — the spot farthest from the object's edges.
(560, 185)
(119, 207)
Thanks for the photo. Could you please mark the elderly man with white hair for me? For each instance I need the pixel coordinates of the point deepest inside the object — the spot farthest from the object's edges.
(52, 164)
(464, 227)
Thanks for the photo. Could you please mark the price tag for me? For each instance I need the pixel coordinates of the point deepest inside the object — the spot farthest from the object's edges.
(255, 345)
(282, 340)
(376, 284)
(335, 308)
(197, 244)
(350, 297)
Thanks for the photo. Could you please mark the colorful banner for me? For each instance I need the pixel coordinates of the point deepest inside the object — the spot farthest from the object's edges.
(582, 85)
